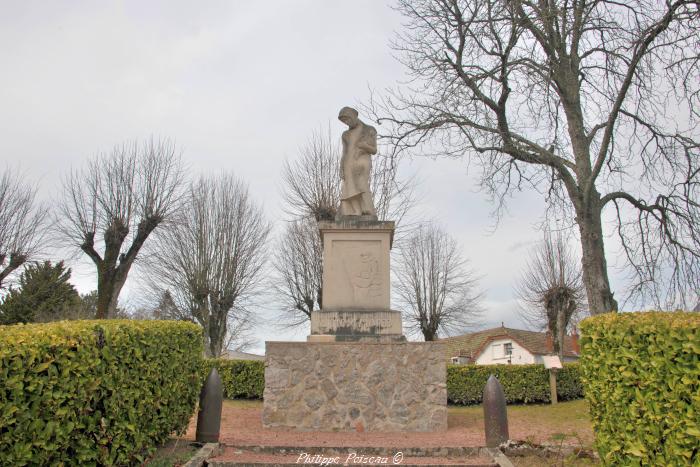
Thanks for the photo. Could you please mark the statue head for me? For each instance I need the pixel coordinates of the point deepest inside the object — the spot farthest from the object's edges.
(349, 116)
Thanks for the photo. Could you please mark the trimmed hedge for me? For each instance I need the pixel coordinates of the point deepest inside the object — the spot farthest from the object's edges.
(522, 384)
(641, 372)
(95, 392)
(244, 379)
(241, 379)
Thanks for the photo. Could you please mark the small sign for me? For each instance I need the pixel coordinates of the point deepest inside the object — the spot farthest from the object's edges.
(552, 361)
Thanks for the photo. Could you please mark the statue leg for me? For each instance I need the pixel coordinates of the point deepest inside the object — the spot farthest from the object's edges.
(357, 205)
(368, 204)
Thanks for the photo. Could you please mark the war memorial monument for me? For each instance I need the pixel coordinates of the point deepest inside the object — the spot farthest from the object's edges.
(356, 372)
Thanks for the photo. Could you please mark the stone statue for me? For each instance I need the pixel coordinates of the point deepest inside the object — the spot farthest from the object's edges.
(359, 143)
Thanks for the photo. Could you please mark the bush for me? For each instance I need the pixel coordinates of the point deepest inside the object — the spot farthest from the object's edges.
(522, 384)
(569, 384)
(241, 379)
(641, 372)
(95, 392)
(245, 379)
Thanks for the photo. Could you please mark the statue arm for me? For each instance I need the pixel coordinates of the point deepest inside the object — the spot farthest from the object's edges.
(368, 143)
(341, 169)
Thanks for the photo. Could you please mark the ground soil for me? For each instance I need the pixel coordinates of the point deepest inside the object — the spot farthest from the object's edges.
(564, 424)
(241, 456)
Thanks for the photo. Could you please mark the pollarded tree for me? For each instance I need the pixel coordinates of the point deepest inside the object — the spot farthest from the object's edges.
(299, 269)
(112, 206)
(551, 289)
(593, 103)
(436, 289)
(22, 223)
(212, 258)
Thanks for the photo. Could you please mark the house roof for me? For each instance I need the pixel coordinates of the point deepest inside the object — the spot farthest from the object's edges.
(471, 345)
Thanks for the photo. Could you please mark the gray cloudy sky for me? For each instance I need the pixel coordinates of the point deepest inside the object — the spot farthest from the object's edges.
(240, 86)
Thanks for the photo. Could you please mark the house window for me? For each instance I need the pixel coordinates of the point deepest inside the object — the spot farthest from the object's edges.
(455, 360)
(508, 349)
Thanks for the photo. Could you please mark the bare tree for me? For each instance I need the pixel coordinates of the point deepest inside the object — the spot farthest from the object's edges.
(298, 265)
(311, 183)
(311, 189)
(212, 258)
(114, 204)
(592, 103)
(22, 223)
(432, 281)
(551, 289)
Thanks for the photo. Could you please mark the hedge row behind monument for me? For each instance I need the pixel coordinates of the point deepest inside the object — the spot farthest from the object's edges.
(522, 384)
(641, 373)
(95, 392)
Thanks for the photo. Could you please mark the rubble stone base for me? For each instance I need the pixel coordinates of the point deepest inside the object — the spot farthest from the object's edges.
(339, 386)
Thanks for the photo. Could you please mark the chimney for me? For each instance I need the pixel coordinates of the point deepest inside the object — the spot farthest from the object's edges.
(549, 342)
(574, 342)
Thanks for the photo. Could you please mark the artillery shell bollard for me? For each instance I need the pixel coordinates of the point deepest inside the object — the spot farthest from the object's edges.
(209, 417)
(495, 416)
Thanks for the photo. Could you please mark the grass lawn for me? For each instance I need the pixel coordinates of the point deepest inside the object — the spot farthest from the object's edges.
(566, 421)
(173, 453)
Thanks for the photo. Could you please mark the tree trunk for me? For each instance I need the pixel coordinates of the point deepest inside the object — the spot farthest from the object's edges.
(595, 269)
(561, 332)
(104, 294)
(109, 285)
(217, 333)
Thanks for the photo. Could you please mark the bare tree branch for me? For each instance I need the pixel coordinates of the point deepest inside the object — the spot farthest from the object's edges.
(585, 102)
(23, 223)
(434, 286)
(551, 289)
(121, 198)
(211, 259)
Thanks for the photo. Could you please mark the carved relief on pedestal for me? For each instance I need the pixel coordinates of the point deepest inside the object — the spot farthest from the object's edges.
(357, 275)
(364, 276)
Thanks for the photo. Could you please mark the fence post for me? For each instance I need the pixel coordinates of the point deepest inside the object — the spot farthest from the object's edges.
(553, 384)
(495, 415)
(210, 402)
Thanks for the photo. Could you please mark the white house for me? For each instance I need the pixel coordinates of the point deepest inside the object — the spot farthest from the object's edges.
(506, 346)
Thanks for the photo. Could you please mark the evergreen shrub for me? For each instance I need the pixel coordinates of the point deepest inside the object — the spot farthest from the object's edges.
(95, 392)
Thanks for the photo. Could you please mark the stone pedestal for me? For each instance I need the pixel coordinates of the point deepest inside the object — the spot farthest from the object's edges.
(356, 372)
(337, 386)
(356, 264)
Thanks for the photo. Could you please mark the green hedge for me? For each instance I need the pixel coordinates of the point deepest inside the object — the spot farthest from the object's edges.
(522, 384)
(95, 392)
(241, 379)
(641, 372)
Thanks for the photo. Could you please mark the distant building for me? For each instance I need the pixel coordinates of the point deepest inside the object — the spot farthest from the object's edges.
(506, 346)
(233, 355)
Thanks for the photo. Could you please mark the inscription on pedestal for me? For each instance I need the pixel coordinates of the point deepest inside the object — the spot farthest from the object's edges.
(356, 322)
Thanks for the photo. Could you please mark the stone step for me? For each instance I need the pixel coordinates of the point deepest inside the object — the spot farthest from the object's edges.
(276, 464)
(328, 456)
(446, 451)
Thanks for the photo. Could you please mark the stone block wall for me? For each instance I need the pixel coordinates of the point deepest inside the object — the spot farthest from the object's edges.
(337, 386)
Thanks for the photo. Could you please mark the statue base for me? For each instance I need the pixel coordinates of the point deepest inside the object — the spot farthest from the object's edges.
(342, 386)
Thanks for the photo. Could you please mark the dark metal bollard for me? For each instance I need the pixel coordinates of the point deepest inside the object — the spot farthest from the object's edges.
(495, 415)
(209, 417)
